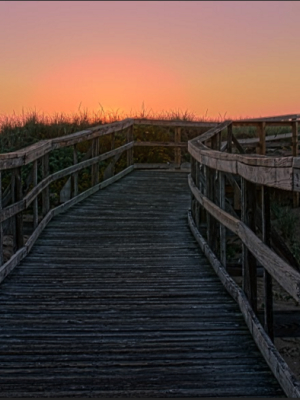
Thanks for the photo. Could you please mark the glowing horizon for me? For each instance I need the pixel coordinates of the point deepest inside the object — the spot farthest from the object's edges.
(211, 58)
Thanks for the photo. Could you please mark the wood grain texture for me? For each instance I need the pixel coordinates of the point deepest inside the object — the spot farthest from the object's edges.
(279, 367)
(115, 299)
(280, 270)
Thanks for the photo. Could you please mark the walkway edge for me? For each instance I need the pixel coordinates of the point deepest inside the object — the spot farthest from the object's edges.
(6, 268)
(277, 364)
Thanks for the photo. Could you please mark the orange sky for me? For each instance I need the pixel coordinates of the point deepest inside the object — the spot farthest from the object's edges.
(239, 58)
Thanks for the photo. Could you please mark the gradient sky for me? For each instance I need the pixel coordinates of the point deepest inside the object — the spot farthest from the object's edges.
(239, 58)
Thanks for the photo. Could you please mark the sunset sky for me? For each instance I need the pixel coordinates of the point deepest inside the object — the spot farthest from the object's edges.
(239, 58)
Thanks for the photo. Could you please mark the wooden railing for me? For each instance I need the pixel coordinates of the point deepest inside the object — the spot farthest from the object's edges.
(28, 176)
(214, 166)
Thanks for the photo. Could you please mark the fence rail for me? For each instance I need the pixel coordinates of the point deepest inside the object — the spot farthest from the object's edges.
(214, 166)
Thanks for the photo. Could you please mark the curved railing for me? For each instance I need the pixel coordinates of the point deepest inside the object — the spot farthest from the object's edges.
(214, 165)
(18, 199)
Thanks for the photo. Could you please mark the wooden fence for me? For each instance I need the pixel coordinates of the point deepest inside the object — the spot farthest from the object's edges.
(28, 192)
(217, 164)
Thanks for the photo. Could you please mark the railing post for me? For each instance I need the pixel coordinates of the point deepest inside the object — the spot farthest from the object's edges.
(19, 216)
(46, 191)
(1, 227)
(229, 138)
(262, 138)
(13, 219)
(222, 227)
(212, 227)
(211, 222)
(35, 201)
(75, 175)
(177, 139)
(129, 138)
(112, 147)
(197, 205)
(193, 176)
(295, 154)
(95, 167)
(266, 233)
(249, 261)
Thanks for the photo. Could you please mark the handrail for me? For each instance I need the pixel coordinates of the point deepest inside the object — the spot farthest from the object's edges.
(253, 169)
(256, 173)
(16, 203)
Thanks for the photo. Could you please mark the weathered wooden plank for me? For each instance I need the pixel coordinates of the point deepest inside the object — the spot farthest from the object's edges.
(46, 191)
(222, 228)
(70, 170)
(160, 144)
(92, 133)
(19, 216)
(266, 236)
(277, 364)
(212, 132)
(177, 140)
(284, 274)
(249, 261)
(257, 122)
(12, 263)
(168, 166)
(275, 118)
(281, 178)
(151, 317)
(129, 139)
(169, 123)
(1, 227)
(95, 166)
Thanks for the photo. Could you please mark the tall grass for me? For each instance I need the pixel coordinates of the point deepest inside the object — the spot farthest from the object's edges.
(18, 131)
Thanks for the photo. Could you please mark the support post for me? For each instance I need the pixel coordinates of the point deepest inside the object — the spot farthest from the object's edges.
(249, 261)
(1, 227)
(13, 218)
(295, 154)
(262, 138)
(222, 227)
(75, 175)
(95, 167)
(197, 205)
(129, 138)
(177, 139)
(35, 201)
(266, 232)
(46, 191)
(211, 222)
(19, 216)
(229, 138)
(193, 176)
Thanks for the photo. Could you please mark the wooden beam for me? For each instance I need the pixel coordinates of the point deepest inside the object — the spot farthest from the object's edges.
(295, 154)
(1, 227)
(177, 151)
(249, 261)
(222, 199)
(75, 174)
(129, 139)
(35, 201)
(229, 138)
(95, 167)
(280, 270)
(275, 361)
(46, 191)
(266, 236)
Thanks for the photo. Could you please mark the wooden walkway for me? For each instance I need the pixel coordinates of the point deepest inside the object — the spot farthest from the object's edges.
(116, 299)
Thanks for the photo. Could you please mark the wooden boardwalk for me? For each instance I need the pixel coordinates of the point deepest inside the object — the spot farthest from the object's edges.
(116, 299)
